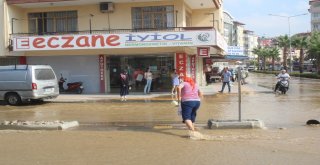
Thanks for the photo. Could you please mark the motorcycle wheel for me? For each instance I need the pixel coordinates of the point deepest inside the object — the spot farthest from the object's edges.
(79, 91)
(283, 91)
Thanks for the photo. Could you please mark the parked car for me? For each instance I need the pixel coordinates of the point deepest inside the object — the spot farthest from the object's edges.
(19, 83)
(251, 68)
(215, 74)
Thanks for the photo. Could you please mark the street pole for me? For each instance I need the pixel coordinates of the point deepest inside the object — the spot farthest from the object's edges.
(289, 35)
(239, 92)
(290, 53)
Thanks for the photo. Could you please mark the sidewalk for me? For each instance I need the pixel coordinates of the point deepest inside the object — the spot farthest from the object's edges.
(211, 89)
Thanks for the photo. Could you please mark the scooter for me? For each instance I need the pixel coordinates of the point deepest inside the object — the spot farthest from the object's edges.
(75, 87)
(284, 86)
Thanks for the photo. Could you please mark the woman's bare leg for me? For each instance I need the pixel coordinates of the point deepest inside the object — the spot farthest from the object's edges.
(189, 124)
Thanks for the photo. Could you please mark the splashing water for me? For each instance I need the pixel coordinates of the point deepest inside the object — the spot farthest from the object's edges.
(195, 135)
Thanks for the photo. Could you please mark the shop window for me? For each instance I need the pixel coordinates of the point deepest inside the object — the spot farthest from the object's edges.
(152, 17)
(9, 61)
(53, 22)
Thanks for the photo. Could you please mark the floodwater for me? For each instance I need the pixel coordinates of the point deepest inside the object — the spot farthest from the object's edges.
(139, 132)
(302, 102)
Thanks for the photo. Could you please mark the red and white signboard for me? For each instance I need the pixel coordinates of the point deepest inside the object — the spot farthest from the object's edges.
(102, 73)
(181, 64)
(203, 52)
(193, 67)
(122, 40)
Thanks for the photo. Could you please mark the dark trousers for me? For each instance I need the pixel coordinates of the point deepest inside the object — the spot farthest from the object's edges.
(124, 90)
(207, 77)
(224, 84)
(278, 85)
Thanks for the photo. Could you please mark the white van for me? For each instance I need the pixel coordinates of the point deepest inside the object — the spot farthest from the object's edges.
(20, 83)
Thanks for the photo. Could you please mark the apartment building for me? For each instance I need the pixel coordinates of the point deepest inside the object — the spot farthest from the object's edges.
(93, 41)
(315, 15)
(228, 27)
(238, 37)
(250, 42)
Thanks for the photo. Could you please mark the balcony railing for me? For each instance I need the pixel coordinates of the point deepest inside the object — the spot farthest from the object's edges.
(112, 31)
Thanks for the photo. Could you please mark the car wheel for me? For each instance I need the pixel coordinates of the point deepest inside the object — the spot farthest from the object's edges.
(13, 99)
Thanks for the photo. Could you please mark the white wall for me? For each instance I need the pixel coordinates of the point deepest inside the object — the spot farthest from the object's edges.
(74, 68)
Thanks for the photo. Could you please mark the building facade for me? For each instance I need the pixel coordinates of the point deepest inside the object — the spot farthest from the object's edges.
(238, 37)
(228, 27)
(315, 15)
(93, 41)
(250, 42)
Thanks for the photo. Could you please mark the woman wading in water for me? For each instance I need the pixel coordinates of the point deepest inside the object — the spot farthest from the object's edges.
(189, 96)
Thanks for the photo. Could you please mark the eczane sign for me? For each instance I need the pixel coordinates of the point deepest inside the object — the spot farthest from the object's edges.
(124, 40)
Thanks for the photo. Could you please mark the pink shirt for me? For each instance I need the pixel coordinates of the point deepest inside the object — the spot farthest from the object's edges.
(187, 94)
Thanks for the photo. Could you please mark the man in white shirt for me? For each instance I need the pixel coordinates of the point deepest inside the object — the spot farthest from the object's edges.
(283, 76)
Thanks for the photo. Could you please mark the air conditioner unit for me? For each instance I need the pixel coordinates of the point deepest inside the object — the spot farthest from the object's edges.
(106, 7)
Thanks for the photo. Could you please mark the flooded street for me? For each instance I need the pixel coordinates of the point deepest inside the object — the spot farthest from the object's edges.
(115, 132)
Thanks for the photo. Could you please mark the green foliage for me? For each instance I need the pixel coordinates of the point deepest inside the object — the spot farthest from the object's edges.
(314, 48)
(300, 43)
(284, 42)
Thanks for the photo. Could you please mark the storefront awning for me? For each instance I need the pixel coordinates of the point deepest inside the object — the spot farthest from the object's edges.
(236, 57)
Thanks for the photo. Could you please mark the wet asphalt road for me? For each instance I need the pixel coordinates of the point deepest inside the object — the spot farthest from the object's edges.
(301, 103)
(115, 132)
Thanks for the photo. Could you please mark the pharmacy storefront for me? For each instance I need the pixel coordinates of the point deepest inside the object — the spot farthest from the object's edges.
(98, 59)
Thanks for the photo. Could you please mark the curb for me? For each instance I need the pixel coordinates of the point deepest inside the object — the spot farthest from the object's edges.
(235, 124)
(38, 125)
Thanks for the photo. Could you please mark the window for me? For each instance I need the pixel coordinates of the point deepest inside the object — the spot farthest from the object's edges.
(188, 19)
(44, 74)
(152, 17)
(49, 22)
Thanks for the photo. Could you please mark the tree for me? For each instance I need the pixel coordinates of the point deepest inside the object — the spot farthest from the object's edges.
(284, 42)
(300, 43)
(257, 51)
(264, 53)
(314, 49)
(274, 54)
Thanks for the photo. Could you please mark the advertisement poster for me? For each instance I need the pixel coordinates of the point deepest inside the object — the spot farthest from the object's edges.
(102, 73)
(181, 63)
(193, 67)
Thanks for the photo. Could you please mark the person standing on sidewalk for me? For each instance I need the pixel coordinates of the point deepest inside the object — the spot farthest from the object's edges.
(175, 82)
(148, 77)
(124, 85)
(226, 76)
(189, 96)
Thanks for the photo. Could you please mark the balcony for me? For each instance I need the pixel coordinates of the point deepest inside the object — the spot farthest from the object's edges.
(112, 31)
(193, 4)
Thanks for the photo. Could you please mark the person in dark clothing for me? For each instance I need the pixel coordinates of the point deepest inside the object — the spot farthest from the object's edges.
(124, 85)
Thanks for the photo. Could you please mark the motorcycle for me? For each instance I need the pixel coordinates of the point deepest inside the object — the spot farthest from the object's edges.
(284, 86)
(75, 87)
